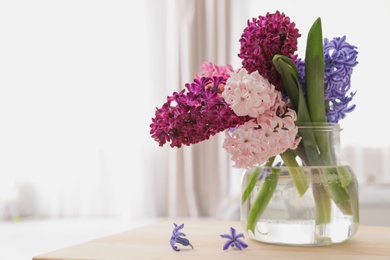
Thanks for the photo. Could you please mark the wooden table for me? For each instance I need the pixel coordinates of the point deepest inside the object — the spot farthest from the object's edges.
(152, 242)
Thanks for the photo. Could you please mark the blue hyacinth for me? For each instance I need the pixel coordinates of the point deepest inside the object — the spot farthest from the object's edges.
(340, 58)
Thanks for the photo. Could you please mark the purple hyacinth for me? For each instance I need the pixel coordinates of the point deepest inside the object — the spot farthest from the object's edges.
(234, 240)
(178, 237)
(340, 58)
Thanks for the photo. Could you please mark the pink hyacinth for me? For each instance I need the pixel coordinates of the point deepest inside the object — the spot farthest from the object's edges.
(209, 70)
(271, 131)
(249, 93)
(253, 143)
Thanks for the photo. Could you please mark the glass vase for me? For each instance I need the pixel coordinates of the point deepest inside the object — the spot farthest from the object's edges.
(307, 196)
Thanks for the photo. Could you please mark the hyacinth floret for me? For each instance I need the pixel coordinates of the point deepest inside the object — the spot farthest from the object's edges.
(211, 70)
(234, 240)
(178, 237)
(264, 37)
(339, 108)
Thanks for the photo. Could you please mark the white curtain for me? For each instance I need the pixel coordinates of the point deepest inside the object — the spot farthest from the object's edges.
(197, 176)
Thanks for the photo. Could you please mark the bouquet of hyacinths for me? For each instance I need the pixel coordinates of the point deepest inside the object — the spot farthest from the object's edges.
(260, 106)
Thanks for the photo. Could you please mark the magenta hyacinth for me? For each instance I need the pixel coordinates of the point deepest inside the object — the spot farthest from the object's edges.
(194, 116)
(264, 37)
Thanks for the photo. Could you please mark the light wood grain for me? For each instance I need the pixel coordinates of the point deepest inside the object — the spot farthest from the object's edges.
(152, 242)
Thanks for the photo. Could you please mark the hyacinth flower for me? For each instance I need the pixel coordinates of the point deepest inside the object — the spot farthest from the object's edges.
(270, 130)
(340, 58)
(178, 237)
(262, 38)
(234, 240)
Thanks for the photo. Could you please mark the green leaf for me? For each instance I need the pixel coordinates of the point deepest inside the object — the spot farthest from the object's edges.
(251, 184)
(290, 77)
(254, 178)
(296, 172)
(345, 176)
(314, 70)
(262, 199)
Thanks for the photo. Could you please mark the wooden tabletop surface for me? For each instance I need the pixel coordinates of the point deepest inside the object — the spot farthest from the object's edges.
(152, 242)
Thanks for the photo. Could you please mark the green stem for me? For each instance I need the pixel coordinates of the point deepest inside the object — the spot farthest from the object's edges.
(345, 176)
(322, 199)
(337, 178)
(338, 193)
(251, 184)
(296, 172)
(263, 198)
(253, 180)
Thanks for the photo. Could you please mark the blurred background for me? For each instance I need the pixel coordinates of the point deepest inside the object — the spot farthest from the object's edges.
(79, 84)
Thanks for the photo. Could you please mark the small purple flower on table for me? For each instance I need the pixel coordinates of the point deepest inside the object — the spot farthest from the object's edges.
(234, 240)
(178, 237)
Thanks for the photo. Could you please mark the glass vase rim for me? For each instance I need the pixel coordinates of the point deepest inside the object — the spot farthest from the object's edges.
(319, 125)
